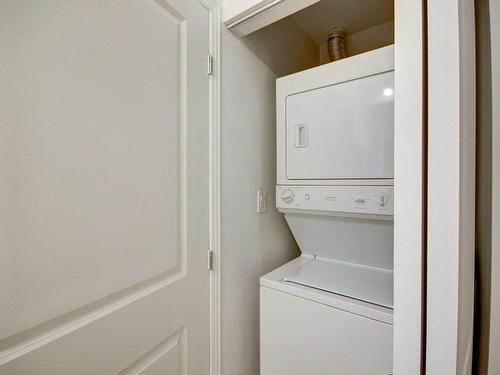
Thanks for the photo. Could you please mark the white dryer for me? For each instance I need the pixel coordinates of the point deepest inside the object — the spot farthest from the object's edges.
(330, 311)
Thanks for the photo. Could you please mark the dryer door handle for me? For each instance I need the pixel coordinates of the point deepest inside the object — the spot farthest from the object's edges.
(301, 135)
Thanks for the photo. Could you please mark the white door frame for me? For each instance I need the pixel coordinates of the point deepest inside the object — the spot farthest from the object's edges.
(409, 187)
(435, 177)
(451, 186)
(411, 230)
(214, 232)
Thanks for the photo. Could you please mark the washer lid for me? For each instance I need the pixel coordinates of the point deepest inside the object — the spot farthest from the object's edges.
(369, 284)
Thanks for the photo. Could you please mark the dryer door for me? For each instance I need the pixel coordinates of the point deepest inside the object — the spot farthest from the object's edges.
(342, 131)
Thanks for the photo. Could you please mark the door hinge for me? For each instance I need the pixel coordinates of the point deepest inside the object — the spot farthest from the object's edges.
(210, 260)
(210, 65)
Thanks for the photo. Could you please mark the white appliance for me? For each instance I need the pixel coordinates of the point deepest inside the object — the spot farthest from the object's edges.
(335, 122)
(330, 311)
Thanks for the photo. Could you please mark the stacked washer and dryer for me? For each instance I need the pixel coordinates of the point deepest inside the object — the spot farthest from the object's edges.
(330, 311)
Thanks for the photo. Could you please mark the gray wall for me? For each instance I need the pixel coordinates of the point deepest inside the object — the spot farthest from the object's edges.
(252, 243)
(284, 47)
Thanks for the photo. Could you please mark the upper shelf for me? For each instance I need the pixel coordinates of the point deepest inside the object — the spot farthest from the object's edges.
(246, 16)
(316, 17)
(299, 41)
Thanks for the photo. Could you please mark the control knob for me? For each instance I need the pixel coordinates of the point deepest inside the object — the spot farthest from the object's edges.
(287, 196)
(382, 200)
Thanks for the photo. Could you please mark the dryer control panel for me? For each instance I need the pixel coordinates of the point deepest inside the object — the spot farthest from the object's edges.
(371, 200)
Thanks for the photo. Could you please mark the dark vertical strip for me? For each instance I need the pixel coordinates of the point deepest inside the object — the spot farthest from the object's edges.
(482, 305)
(425, 124)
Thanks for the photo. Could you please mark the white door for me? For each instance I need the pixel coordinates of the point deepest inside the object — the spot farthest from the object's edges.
(104, 131)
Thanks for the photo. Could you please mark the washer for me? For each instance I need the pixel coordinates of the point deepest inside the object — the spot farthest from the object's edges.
(330, 311)
(306, 330)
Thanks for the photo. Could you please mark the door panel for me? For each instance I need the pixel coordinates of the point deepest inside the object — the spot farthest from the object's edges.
(342, 131)
(104, 121)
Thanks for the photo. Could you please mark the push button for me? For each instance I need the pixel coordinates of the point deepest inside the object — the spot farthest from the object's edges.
(359, 199)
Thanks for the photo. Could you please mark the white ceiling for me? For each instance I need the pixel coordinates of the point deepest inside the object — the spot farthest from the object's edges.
(351, 15)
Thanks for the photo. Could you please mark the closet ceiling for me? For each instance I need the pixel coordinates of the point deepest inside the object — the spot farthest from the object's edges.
(351, 15)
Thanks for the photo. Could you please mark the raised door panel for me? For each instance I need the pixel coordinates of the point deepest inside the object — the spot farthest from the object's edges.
(134, 338)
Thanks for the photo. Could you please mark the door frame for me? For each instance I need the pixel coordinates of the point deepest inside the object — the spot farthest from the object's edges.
(214, 9)
(410, 187)
(451, 186)
(434, 230)
(411, 148)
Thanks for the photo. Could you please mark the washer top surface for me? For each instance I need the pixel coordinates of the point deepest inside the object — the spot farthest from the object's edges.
(313, 279)
(364, 283)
